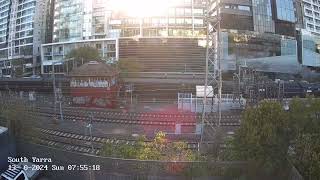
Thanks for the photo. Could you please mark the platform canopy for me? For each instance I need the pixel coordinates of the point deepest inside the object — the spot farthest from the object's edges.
(200, 91)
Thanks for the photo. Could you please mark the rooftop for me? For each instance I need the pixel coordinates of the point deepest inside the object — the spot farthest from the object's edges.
(94, 69)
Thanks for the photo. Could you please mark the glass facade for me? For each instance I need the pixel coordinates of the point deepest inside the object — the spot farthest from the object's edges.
(81, 20)
(97, 19)
(4, 17)
(261, 51)
(22, 24)
(77, 22)
(180, 18)
(311, 11)
(4, 28)
(25, 16)
(285, 10)
(310, 49)
(68, 20)
(58, 51)
(262, 16)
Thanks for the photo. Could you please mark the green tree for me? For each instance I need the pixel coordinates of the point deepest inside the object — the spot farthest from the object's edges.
(126, 151)
(13, 114)
(306, 155)
(129, 66)
(18, 116)
(262, 140)
(107, 150)
(84, 54)
(17, 67)
(178, 151)
(155, 149)
(158, 149)
(161, 149)
(305, 143)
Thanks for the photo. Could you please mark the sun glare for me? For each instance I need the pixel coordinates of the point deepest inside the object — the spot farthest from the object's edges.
(141, 8)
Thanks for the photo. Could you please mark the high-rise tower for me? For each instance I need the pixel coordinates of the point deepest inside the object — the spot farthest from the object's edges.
(21, 35)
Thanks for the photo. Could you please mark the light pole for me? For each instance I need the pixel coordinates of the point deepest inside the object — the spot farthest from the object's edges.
(60, 102)
(90, 131)
(60, 90)
(129, 89)
(54, 91)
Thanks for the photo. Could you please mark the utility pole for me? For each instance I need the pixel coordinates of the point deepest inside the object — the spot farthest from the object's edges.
(57, 92)
(54, 90)
(60, 99)
(213, 64)
(131, 89)
(90, 131)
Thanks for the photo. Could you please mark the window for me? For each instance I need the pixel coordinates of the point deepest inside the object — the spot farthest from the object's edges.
(172, 21)
(187, 12)
(98, 46)
(180, 21)
(198, 12)
(285, 10)
(310, 26)
(179, 12)
(198, 22)
(244, 8)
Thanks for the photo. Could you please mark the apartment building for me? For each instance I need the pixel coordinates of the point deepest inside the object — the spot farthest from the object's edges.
(21, 35)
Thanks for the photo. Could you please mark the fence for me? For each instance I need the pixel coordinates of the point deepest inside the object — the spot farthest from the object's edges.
(116, 169)
(294, 174)
(192, 103)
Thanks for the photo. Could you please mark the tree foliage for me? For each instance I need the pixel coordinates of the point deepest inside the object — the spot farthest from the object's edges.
(262, 140)
(130, 65)
(17, 67)
(126, 151)
(16, 115)
(84, 54)
(270, 138)
(305, 117)
(158, 149)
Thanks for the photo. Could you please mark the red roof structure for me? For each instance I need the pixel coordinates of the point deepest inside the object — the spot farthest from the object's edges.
(94, 84)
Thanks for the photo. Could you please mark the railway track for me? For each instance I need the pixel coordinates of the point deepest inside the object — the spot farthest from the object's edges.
(137, 118)
(82, 143)
(134, 122)
(144, 118)
(64, 146)
(179, 115)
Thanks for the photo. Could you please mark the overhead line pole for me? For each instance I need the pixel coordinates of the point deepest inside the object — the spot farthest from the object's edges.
(213, 75)
(55, 89)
